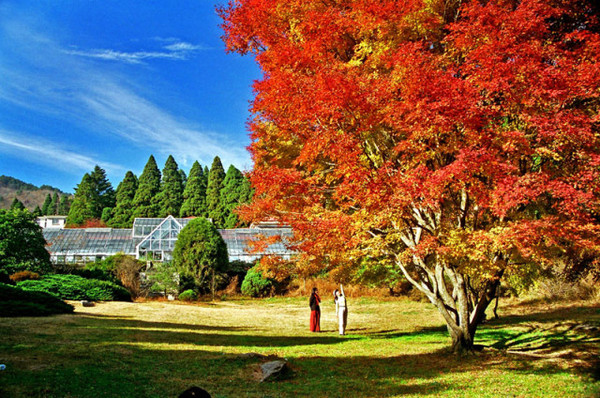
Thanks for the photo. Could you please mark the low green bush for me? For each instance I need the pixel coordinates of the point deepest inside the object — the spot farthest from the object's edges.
(188, 295)
(255, 285)
(15, 301)
(73, 287)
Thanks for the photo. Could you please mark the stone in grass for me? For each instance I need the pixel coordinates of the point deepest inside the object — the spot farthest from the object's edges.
(275, 370)
(87, 303)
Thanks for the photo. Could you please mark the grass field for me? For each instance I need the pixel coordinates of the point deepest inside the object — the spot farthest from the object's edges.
(394, 348)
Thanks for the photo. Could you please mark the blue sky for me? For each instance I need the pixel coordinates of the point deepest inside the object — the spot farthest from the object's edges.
(86, 82)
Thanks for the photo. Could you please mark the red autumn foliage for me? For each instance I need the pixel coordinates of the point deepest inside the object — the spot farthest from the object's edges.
(458, 139)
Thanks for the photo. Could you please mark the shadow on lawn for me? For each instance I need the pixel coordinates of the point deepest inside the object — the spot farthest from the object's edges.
(105, 353)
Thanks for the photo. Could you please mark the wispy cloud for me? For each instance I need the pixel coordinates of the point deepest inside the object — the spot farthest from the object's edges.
(177, 50)
(47, 153)
(43, 77)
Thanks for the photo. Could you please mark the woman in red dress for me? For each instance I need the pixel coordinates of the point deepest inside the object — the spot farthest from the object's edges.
(315, 311)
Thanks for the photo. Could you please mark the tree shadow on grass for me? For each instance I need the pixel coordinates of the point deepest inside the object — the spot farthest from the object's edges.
(115, 357)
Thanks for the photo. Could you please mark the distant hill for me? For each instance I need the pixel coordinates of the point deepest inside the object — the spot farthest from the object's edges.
(29, 194)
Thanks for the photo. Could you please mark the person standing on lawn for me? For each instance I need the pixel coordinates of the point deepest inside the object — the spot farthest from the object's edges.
(341, 309)
(315, 311)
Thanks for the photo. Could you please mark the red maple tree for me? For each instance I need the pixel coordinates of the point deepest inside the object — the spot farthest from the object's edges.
(457, 140)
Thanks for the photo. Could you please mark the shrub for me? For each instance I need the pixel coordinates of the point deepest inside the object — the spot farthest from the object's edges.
(73, 287)
(123, 268)
(188, 295)
(255, 285)
(18, 302)
(24, 276)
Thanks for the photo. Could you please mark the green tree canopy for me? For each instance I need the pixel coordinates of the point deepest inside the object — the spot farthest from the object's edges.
(144, 204)
(85, 203)
(46, 205)
(103, 187)
(17, 205)
(213, 191)
(121, 217)
(53, 208)
(64, 205)
(194, 194)
(170, 197)
(236, 190)
(22, 245)
(200, 251)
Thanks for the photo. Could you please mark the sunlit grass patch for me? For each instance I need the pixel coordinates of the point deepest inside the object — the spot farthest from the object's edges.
(393, 348)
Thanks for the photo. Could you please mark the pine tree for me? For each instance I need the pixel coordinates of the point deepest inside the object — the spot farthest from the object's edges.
(184, 177)
(213, 191)
(144, 204)
(46, 205)
(230, 197)
(63, 206)
(170, 196)
(37, 211)
(240, 195)
(17, 205)
(105, 191)
(53, 208)
(121, 216)
(194, 194)
(85, 202)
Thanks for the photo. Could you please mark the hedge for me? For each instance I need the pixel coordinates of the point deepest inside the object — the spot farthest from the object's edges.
(73, 287)
(18, 302)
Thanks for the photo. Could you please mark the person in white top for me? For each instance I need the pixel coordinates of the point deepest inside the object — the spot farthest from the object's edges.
(341, 309)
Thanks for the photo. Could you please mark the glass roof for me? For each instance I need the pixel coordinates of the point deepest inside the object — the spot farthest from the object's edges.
(89, 241)
(158, 235)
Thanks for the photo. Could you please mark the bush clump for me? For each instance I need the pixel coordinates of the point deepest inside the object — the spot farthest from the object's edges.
(73, 287)
(188, 295)
(15, 301)
(255, 285)
(24, 276)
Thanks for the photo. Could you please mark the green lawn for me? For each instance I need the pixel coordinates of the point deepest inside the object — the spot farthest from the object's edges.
(394, 348)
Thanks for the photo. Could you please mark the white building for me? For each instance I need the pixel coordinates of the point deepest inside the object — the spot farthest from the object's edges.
(52, 221)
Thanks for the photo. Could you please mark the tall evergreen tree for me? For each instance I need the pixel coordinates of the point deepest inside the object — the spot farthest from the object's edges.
(121, 216)
(206, 173)
(53, 208)
(170, 196)
(37, 211)
(144, 204)
(106, 193)
(46, 205)
(63, 206)
(184, 177)
(213, 191)
(194, 194)
(85, 202)
(17, 205)
(229, 196)
(234, 195)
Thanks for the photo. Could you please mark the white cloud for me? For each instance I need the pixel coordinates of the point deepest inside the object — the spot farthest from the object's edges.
(47, 153)
(132, 57)
(184, 47)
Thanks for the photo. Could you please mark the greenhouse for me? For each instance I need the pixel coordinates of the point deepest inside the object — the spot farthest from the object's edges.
(154, 239)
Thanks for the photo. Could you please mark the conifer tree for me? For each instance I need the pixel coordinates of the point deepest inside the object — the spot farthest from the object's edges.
(121, 216)
(194, 194)
(85, 202)
(230, 197)
(63, 206)
(53, 208)
(144, 204)
(37, 211)
(184, 177)
(46, 205)
(105, 191)
(17, 205)
(240, 194)
(170, 196)
(213, 191)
